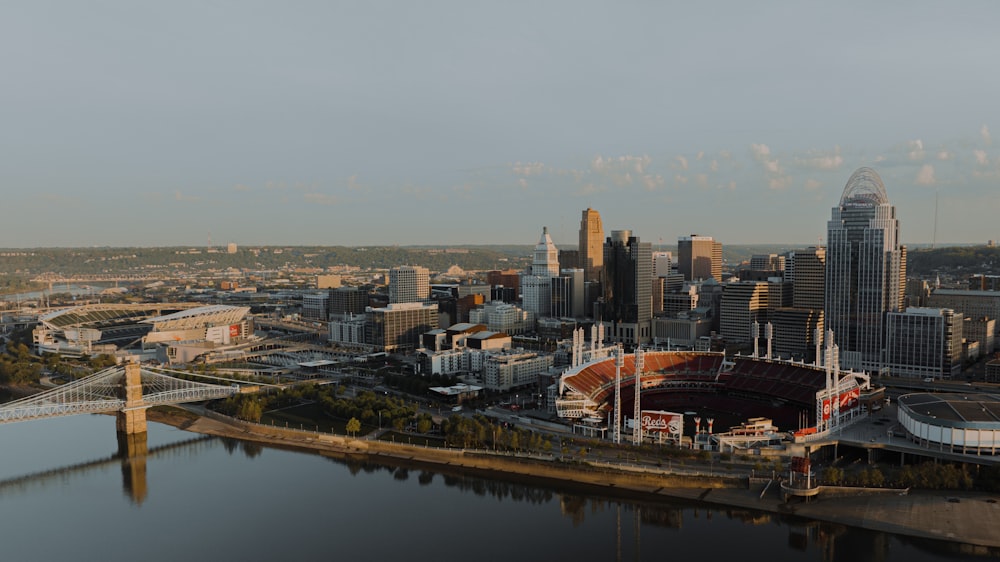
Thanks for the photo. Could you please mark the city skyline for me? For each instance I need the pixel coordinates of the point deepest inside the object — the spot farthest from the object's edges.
(169, 125)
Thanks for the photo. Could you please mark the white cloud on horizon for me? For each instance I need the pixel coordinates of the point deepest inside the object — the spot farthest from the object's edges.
(926, 175)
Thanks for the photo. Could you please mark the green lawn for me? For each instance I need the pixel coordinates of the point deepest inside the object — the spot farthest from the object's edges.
(310, 417)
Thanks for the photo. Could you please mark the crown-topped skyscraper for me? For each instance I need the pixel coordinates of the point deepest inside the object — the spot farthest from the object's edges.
(865, 270)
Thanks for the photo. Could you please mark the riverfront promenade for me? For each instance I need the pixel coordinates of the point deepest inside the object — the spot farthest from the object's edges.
(959, 517)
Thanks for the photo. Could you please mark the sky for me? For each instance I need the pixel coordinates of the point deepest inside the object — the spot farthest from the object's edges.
(141, 123)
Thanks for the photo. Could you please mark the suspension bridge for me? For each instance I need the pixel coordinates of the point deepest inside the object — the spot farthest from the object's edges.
(126, 389)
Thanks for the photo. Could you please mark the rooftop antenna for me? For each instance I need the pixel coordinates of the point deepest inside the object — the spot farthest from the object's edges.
(934, 239)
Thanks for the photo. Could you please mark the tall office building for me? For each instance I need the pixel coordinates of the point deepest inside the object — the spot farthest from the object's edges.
(806, 270)
(795, 327)
(865, 271)
(699, 257)
(591, 245)
(627, 304)
(662, 263)
(409, 283)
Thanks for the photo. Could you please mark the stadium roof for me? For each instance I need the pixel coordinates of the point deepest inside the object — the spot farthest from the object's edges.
(102, 315)
(955, 409)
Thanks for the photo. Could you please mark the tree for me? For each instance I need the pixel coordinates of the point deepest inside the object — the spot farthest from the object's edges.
(250, 410)
(423, 425)
(353, 426)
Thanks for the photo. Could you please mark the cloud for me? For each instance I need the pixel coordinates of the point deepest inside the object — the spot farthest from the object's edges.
(780, 182)
(320, 198)
(682, 162)
(984, 132)
(630, 163)
(178, 196)
(242, 188)
(529, 168)
(813, 185)
(652, 182)
(714, 166)
(943, 155)
(701, 180)
(523, 183)
(353, 185)
(916, 149)
(926, 175)
(700, 155)
(981, 158)
(817, 160)
(777, 178)
(760, 152)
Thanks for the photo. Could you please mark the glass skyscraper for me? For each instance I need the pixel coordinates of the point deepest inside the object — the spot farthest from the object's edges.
(865, 270)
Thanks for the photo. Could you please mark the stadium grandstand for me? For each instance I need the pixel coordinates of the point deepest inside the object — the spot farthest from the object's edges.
(108, 328)
(687, 379)
(98, 328)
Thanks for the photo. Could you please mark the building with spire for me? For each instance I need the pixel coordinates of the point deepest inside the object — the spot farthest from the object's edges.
(536, 284)
(865, 271)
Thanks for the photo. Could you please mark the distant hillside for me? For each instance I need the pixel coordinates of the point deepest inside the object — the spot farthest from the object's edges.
(31, 262)
(972, 259)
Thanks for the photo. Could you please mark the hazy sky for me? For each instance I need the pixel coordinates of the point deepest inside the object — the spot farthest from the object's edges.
(359, 123)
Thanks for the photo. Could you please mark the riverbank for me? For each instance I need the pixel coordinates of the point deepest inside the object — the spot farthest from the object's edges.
(970, 519)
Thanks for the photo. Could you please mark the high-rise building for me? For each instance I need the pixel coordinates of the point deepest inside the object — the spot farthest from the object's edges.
(627, 304)
(662, 263)
(923, 342)
(865, 271)
(806, 270)
(348, 300)
(699, 257)
(536, 285)
(591, 245)
(409, 283)
(398, 326)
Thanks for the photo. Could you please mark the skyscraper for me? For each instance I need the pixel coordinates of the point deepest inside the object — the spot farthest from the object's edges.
(591, 245)
(699, 257)
(409, 283)
(627, 307)
(536, 285)
(865, 267)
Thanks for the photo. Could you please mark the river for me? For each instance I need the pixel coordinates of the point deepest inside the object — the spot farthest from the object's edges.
(65, 496)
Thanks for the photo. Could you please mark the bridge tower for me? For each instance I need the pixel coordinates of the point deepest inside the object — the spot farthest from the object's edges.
(132, 418)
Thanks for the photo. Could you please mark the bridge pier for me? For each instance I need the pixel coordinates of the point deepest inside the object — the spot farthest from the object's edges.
(132, 418)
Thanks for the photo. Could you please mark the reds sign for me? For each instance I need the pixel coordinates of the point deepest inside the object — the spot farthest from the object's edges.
(657, 420)
(850, 399)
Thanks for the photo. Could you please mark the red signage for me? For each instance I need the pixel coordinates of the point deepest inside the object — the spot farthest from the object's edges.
(655, 420)
(826, 409)
(234, 330)
(850, 399)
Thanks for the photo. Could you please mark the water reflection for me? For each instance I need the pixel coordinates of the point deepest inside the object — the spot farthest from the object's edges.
(132, 456)
(629, 528)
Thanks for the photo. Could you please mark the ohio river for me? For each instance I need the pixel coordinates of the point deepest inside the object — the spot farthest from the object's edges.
(64, 494)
